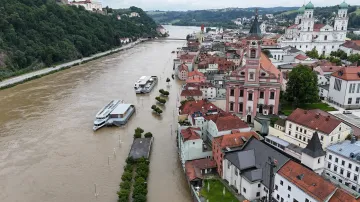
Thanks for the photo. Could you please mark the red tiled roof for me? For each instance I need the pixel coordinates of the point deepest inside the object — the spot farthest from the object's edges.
(195, 73)
(348, 73)
(234, 140)
(200, 105)
(301, 57)
(268, 65)
(330, 68)
(183, 67)
(194, 92)
(317, 27)
(193, 168)
(342, 196)
(313, 120)
(307, 180)
(293, 26)
(187, 57)
(352, 45)
(357, 42)
(322, 63)
(230, 122)
(190, 134)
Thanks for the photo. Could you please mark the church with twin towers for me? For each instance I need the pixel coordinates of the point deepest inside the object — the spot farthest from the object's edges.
(305, 34)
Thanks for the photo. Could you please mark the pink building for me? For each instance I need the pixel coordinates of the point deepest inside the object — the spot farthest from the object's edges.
(255, 87)
(183, 72)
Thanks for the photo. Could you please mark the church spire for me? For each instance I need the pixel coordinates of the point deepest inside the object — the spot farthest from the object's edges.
(255, 27)
(314, 147)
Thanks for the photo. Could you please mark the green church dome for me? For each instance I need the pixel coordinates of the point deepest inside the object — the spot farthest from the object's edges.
(309, 6)
(344, 5)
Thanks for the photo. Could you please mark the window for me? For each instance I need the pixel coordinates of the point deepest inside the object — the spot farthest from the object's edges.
(289, 132)
(253, 53)
(307, 200)
(348, 174)
(322, 138)
(265, 190)
(244, 190)
(240, 107)
(277, 196)
(332, 139)
(335, 168)
(259, 185)
(319, 160)
(358, 88)
(294, 200)
(329, 165)
(325, 37)
(241, 93)
(342, 162)
(339, 136)
(288, 195)
(229, 164)
(352, 88)
(334, 177)
(289, 125)
(250, 96)
(350, 100)
(236, 172)
(282, 200)
(357, 169)
(231, 106)
(231, 92)
(355, 177)
(305, 132)
(262, 94)
(341, 171)
(337, 84)
(297, 128)
(257, 194)
(340, 180)
(289, 188)
(276, 187)
(336, 159)
(330, 157)
(281, 182)
(353, 187)
(350, 165)
(251, 77)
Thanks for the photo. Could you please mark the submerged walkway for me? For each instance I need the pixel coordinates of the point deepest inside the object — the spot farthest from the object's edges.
(24, 77)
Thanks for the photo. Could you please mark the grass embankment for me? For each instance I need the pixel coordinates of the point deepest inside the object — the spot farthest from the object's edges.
(216, 192)
(287, 108)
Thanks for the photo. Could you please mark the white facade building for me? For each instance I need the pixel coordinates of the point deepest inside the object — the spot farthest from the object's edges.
(343, 163)
(344, 89)
(88, 5)
(263, 27)
(306, 35)
(302, 124)
(191, 146)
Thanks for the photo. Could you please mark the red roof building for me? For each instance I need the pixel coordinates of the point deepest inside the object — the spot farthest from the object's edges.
(196, 168)
(301, 57)
(203, 106)
(190, 134)
(348, 74)
(317, 27)
(183, 72)
(225, 142)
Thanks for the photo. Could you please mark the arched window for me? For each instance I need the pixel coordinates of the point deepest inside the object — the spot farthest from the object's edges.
(325, 38)
(252, 53)
(308, 28)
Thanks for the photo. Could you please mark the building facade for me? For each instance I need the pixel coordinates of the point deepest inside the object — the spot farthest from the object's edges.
(344, 89)
(305, 34)
(255, 87)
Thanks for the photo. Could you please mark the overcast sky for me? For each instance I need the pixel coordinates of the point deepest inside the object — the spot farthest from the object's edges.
(208, 4)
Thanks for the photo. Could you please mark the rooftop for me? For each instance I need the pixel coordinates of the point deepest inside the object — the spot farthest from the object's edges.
(230, 122)
(341, 196)
(200, 105)
(314, 147)
(193, 168)
(301, 57)
(330, 68)
(190, 133)
(348, 73)
(140, 148)
(255, 155)
(187, 92)
(235, 140)
(314, 120)
(307, 180)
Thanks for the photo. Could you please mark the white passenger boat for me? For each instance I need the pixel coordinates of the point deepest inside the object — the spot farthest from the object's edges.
(145, 84)
(115, 113)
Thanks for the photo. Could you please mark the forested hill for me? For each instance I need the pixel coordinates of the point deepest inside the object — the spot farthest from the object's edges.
(213, 18)
(38, 33)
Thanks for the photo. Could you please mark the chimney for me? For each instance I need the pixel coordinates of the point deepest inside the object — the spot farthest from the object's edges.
(317, 115)
(305, 112)
(327, 118)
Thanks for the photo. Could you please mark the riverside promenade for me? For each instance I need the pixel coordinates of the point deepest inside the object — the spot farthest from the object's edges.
(27, 76)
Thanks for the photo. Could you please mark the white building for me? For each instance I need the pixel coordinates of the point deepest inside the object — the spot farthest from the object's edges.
(247, 170)
(89, 5)
(191, 146)
(350, 47)
(134, 14)
(306, 35)
(263, 27)
(302, 124)
(344, 90)
(343, 163)
(324, 91)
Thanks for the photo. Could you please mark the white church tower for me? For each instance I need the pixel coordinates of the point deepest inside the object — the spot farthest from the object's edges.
(307, 22)
(341, 21)
(313, 156)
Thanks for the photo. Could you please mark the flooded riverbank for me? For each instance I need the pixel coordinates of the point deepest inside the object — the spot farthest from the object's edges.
(48, 151)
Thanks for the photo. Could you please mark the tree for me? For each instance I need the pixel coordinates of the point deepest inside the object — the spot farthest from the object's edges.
(148, 135)
(313, 53)
(127, 176)
(208, 29)
(302, 86)
(354, 58)
(139, 130)
(137, 135)
(266, 52)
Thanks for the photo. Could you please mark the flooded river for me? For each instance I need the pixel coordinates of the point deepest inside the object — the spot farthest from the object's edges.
(48, 151)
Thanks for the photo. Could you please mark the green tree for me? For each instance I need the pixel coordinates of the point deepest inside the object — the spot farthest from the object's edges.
(139, 130)
(302, 86)
(127, 176)
(266, 52)
(148, 135)
(313, 53)
(354, 58)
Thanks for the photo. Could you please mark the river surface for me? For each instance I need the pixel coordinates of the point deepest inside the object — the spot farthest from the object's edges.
(48, 151)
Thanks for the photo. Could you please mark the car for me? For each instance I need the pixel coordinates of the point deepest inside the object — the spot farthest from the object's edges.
(347, 112)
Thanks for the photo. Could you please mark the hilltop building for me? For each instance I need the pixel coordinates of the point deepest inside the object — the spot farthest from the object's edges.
(88, 5)
(305, 34)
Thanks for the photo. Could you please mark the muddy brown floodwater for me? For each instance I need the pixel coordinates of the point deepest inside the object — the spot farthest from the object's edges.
(48, 151)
